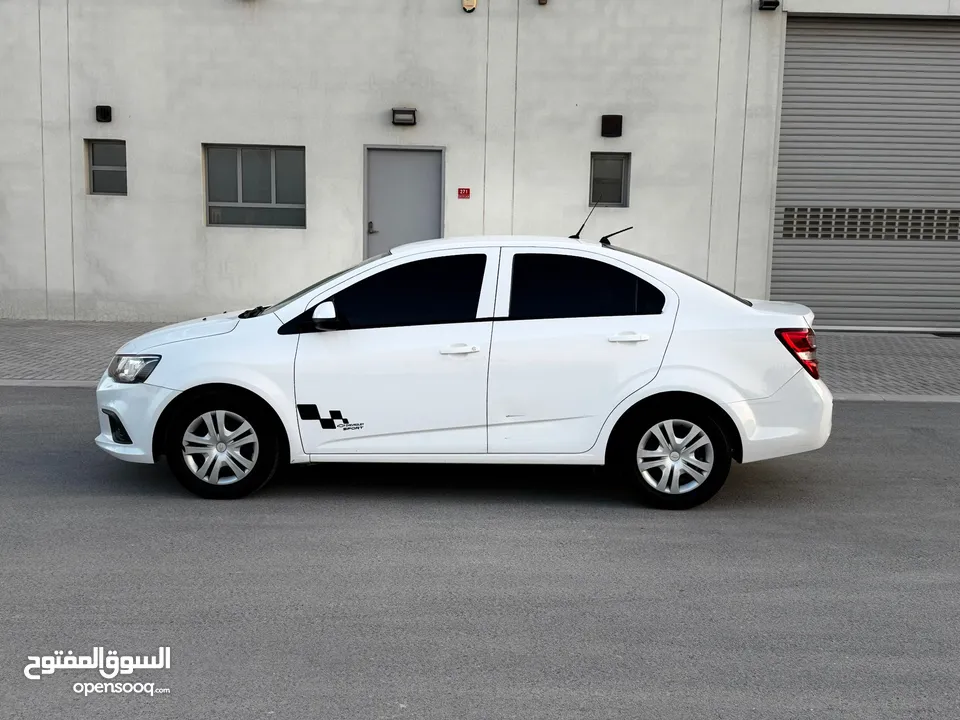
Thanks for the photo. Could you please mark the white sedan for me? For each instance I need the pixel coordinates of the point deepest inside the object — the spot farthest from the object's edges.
(514, 350)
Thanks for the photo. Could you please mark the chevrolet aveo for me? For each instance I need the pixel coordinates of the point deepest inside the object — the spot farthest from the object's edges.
(539, 351)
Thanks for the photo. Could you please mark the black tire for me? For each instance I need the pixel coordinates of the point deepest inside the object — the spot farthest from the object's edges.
(265, 459)
(640, 428)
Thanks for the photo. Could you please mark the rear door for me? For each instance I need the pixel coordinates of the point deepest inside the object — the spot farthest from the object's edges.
(574, 333)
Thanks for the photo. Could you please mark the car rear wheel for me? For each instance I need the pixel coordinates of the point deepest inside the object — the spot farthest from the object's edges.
(674, 458)
(221, 447)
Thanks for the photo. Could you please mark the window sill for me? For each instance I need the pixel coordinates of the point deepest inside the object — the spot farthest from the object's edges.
(258, 227)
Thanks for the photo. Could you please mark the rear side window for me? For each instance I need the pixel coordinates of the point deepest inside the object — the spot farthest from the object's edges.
(684, 272)
(435, 291)
(548, 286)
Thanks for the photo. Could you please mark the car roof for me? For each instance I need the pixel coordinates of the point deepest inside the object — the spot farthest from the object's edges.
(488, 240)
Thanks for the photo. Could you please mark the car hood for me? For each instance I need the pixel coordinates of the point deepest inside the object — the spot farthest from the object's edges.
(784, 308)
(188, 330)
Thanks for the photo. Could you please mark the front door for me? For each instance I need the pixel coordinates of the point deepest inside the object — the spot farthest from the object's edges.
(579, 335)
(404, 197)
(404, 371)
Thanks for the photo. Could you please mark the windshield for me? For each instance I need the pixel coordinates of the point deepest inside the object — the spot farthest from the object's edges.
(316, 285)
(682, 272)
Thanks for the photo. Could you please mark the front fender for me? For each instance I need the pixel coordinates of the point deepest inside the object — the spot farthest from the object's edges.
(244, 359)
(275, 389)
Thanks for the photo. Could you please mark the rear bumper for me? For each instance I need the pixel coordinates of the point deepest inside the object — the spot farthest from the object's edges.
(798, 418)
(133, 409)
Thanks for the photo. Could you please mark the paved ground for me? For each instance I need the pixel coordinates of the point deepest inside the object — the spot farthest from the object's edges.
(41, 350)
(825, 586)
(855, 365)
(885, 365)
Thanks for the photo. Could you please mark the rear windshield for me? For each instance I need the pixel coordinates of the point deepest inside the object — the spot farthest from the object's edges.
(682, 272)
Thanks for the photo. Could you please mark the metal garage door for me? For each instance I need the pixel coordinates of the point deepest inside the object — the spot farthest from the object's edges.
(867, 228)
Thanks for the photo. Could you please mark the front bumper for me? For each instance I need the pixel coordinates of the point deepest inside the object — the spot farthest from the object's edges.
(797, 418)
(135, 409)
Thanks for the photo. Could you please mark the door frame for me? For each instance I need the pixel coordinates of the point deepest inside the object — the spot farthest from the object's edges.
(366, 183)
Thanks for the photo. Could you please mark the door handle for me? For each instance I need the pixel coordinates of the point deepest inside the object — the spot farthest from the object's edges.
(628, 338)
(459, 349)
(370, 230)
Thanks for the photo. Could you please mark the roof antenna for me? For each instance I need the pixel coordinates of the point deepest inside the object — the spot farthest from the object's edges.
(605, 240)
(577, 236)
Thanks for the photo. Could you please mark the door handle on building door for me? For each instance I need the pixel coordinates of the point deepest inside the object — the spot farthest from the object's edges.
(459, 349)
(370, 230)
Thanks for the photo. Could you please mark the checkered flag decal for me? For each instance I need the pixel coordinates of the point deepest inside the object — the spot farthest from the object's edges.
(312, 412)
(330, 423)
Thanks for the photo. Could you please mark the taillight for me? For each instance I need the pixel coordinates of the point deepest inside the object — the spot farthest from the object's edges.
(802, 344)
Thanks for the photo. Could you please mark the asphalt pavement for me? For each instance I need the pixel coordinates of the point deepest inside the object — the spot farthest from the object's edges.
(821, 586)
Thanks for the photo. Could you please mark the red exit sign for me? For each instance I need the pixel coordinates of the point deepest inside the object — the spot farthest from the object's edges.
(463, 193)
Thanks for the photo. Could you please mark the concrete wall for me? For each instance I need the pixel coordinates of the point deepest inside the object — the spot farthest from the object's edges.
(23, 281)
(513, 91)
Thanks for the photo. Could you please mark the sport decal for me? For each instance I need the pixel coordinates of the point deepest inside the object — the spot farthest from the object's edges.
(335, 421)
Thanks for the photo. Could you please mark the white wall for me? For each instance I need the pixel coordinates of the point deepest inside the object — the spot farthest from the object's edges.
(513, 91)
(679, 73)
(22, 258)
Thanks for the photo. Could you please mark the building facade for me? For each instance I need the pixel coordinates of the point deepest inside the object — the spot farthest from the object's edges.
(164, 160)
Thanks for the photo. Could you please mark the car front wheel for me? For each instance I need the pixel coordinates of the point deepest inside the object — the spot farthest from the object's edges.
(221, 447)
(674, 459)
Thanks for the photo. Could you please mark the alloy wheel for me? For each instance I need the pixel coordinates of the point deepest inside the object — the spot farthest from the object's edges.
(675, 457)
(220, 447)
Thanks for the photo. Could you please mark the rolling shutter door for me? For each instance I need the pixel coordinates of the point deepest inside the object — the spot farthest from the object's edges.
(867, 224)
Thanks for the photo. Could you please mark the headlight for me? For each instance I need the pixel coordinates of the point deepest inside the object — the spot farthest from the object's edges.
(132, 368)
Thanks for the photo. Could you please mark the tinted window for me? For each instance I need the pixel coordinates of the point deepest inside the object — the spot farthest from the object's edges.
(423, 292)
(684, 272)
(560, 286)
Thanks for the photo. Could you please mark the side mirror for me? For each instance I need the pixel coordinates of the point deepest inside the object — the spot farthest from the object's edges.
(324, 314)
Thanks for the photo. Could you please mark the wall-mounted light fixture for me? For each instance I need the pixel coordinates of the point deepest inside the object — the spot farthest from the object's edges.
(404, 116)
(469, 5)
(542, 2)
(103, 113)
(769, 4)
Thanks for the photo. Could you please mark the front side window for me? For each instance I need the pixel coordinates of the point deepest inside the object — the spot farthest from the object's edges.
(546, 286)
(423, 292)
(256, 186)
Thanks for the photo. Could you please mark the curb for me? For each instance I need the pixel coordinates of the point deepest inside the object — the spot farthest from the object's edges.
(6, 382)
(840, 397)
